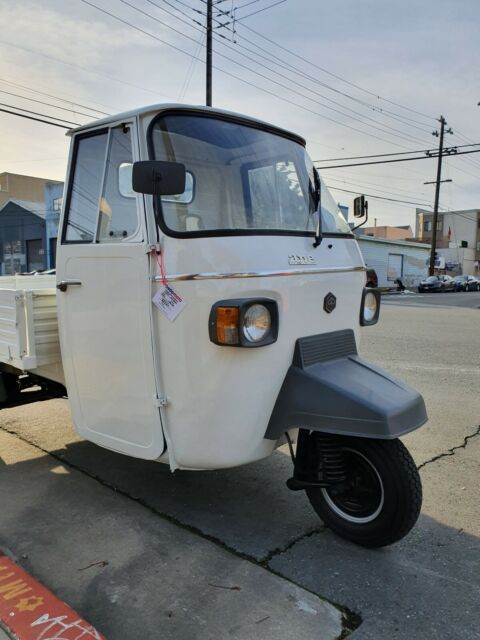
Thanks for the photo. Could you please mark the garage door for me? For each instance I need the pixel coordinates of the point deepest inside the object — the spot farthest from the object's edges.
(395, 266)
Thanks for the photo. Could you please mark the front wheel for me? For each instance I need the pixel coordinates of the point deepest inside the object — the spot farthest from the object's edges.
(381, 499)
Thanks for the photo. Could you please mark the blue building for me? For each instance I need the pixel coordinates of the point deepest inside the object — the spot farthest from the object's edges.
(22, 236)
(29, 230)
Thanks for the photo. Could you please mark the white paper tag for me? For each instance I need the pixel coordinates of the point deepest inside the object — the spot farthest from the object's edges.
(169, 301)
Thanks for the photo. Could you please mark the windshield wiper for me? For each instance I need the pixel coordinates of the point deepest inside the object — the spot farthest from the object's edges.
(317, 200)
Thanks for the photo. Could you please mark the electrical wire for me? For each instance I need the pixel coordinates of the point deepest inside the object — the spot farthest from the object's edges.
(364, 164)
(376, 197)
(385, 112)
(378, 187)
(81, 68)
(48, 104)
(292, 69)
(191, 68)
(270, 6)
(50, 95)
(359, 87)
(403, 153)
(263, 76)
(29, 117)
(382, 111)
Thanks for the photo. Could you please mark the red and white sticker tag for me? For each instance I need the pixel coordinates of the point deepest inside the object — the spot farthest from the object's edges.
(169, 301)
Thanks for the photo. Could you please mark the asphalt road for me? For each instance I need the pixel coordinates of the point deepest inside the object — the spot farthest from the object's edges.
(234, 553)
(464, 299)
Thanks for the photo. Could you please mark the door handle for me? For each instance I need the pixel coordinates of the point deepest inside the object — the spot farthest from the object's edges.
(64, 284)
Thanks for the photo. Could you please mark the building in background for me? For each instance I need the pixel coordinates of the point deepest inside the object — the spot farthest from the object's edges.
(393, 259)
(22, 236)
(458, 238)
(14, 186)
(390, 233)
(29, 211)
(53, 206)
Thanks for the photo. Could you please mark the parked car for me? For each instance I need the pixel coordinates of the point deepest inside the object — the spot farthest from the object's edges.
(466, 283)
(436, 283)
(372, 278)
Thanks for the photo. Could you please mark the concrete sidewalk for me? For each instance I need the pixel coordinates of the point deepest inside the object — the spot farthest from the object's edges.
(133, 574)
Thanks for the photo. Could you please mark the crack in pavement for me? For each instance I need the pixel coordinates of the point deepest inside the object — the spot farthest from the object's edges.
(451, 452)
(286, 547)
(351, 620)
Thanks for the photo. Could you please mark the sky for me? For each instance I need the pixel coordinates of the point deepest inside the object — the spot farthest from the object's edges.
(352, 77)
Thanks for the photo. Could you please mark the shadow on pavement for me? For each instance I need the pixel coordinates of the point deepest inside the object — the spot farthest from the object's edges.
(426, 587)
(133, 575)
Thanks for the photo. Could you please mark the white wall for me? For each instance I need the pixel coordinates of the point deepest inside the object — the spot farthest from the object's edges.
(465, 257)
(414, 260)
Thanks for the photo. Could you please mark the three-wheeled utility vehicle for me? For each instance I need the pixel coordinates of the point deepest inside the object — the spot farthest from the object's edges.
(210, 297)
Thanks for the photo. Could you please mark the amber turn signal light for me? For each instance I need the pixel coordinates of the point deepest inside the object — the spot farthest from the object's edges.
(243, 322)
(227, 325)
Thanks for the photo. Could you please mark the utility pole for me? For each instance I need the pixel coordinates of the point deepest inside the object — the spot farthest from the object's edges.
(209, 51)
(443, 122)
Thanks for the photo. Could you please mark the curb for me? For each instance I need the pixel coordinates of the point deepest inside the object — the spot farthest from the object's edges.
(29, 611)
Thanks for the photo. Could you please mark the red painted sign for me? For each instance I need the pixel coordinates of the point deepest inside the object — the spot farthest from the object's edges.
(30, 612)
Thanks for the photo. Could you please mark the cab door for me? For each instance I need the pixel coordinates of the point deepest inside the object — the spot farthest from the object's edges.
(104, 298)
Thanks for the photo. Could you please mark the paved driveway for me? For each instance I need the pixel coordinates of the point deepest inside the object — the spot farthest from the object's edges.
(427, 586)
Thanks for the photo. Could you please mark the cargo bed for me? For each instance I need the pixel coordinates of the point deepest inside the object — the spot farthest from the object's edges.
(28, 325)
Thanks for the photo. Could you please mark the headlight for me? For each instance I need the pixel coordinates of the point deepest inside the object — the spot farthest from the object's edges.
(244, 322)
(370, 307)
(256, 322)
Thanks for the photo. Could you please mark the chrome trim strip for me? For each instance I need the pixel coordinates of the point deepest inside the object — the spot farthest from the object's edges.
(255, 274)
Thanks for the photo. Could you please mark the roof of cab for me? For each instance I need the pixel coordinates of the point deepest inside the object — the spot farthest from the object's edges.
(158, 108)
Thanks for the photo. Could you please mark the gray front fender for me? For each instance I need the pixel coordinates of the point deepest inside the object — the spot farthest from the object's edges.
(330, 388)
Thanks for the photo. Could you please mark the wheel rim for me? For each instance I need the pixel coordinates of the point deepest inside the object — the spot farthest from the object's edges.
(363, 500)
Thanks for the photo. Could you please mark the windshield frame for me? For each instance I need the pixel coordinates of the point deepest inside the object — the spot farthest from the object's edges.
(245, 121)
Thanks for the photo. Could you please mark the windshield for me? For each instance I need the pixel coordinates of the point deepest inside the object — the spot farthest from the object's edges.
(432, 279)
(240, 179)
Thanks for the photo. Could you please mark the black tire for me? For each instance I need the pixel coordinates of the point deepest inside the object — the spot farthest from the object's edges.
(383, 500)
(9, 383)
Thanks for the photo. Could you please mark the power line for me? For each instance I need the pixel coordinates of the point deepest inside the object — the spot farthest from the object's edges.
(22, 115)
(270, 6)
(35, 113)
(376, 197)
(381, 110)
(429, 117)
(47, 104)
(403, 153)
(191, 68)
(364, 164)
(81, 68)
(263, 76)
(49, 95)
(246, 4)
(376, 187)
(292, 69)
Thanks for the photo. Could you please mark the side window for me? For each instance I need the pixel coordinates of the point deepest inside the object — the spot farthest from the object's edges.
(276, 196)
(85, 189)
(118, 205)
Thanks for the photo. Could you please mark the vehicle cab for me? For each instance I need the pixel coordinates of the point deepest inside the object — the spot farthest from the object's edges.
(210, 298)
